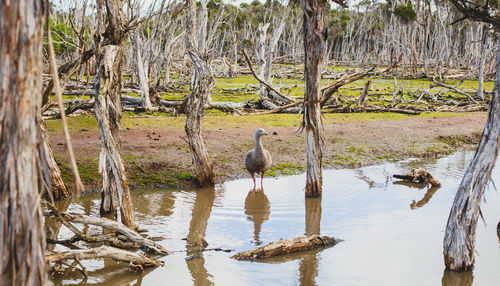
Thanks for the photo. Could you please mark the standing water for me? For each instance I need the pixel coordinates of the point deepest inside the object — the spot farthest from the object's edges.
(392, 232)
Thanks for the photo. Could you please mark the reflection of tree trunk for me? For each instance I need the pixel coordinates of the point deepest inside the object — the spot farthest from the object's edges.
(201, 212)
(314, 44)
(309, 269)
(196, 237)
(257, 209)
(460, 236)
(52, 171)
(53, 225)
(452, 278)
(202, 85)
(22, 239)
(309, 264)
(313, 216)
(199, 273)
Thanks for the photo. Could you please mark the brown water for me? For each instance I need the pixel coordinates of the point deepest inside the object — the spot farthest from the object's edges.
(392, 232)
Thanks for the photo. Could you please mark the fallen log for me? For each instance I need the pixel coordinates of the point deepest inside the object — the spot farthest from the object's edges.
(454, 90)
(115, 226)
(352, 109)
(419, 176)
(286, 246)
(137, 261)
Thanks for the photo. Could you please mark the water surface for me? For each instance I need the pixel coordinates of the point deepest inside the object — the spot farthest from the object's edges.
(392, 232)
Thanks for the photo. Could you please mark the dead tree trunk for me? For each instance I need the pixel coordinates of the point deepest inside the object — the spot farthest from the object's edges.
(51, 172)
(460, 235)
(485, 42)
(262, 30)
(141, 72)
(315, 34)
(108, 82)
(364, 93)
(22, 260)
(270, 50)
(203, 82)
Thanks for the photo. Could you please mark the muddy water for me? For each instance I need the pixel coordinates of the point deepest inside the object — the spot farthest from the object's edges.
(392, 232)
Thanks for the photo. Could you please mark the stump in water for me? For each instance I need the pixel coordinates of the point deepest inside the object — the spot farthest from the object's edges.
(419, 176)
(286, 246)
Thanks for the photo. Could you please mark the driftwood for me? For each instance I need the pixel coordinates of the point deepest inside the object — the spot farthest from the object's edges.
(136, 260)
(419, 176)
(286, 246)
(115, 226)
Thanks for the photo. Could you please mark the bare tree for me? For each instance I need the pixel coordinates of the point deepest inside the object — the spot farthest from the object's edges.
(460, 235)
(108, 83)
(202, 84)
(314, 45)
(142, 73)
(22, 260)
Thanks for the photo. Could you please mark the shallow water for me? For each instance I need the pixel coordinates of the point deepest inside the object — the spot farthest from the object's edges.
(392, 232)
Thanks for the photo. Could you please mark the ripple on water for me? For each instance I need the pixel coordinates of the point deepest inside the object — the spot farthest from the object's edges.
(387, 242)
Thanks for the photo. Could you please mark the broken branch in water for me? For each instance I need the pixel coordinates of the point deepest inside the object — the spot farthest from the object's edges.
(115, 226)
(419, 176)
(136, 260)
(286, 246)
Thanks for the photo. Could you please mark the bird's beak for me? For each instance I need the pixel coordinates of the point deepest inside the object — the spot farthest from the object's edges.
(264, 133)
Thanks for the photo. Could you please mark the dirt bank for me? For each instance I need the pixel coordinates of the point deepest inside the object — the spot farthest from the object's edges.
(157, 155)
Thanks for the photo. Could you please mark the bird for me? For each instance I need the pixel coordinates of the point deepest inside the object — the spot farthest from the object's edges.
(258, 160)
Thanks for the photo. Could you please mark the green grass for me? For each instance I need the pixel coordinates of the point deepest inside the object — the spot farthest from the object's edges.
(285, 169)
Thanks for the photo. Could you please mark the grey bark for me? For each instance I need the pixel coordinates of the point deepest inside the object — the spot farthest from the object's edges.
(202, 84)
(22, 238)
(315, 34)
(460, 234)
(141, 72)
(108, 83)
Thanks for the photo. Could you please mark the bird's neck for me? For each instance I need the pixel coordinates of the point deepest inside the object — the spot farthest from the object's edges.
(258, 144)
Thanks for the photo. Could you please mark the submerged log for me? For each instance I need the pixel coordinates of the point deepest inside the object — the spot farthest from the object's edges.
(419, 176)
(286, 246)
(117, 227)
(137, 260)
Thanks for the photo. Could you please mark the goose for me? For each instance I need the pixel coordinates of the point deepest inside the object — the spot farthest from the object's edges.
(259, 159)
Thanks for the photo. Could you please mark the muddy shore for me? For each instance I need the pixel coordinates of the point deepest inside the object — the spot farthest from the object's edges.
(157, 155)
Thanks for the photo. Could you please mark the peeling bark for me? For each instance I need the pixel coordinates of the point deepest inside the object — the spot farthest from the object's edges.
(108, 83)
(315, 34)
(52, 173)
(202, 84)
(460, 235)
(22, 239)
(286, 246)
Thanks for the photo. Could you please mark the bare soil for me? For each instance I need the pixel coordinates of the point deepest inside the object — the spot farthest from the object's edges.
(160, 157)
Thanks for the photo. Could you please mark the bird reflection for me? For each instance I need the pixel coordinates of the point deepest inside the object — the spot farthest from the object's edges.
(196, 238)
(309, 264)
(257, 209)
(455, 278)
(428, 195)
